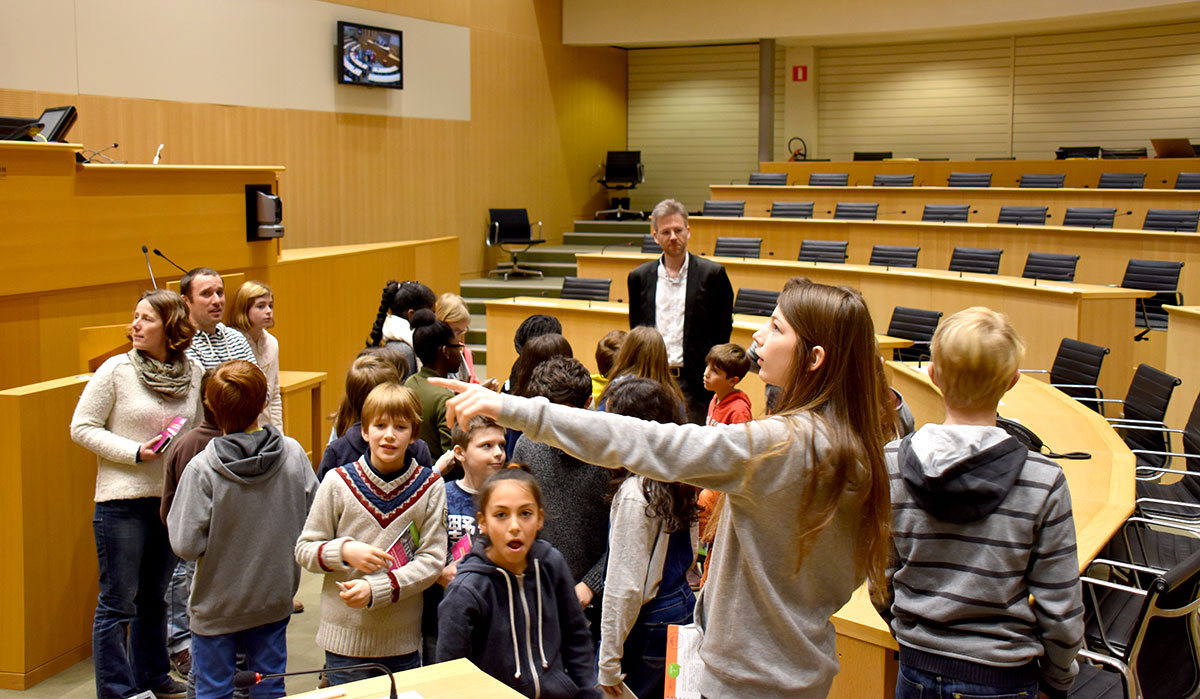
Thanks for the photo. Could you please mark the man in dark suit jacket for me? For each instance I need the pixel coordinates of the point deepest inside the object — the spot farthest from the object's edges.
(688, 299)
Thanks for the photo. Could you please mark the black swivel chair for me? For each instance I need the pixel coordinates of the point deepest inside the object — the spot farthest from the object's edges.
(756, 302)
(914, 324)
(511, 228)
(1178, 501)
(1050, 266)
(1023, 215)
(1144, 409)
(775, 179)
(823, 251)
(622, 172)
(856, 211)
(1187, 180)
(1123, 153)
(828, 179)
(1177, 220)
(1089, 217)
(978, 260)
(894, 255)
(892, 181)
(1043, 181)
(738, 247)
(791, 209)
(969, 179)
(650, 246)
(1122, 180)
(1161, 277)
(585, 288)
(724, 208)
(872, 155)
(1076, 371)
(946, 213)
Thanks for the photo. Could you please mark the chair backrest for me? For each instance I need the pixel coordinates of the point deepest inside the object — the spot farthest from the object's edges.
(1123, 153)
(724, 208)
(757, 302)
(586, 289)
(823, 251)
(509, 226)
(1187, 180)
(859, 211)
(738, 247)
(914, 324)
(894, 255)
(1180, 220)
(1191, 445)
(623, 167)
(828, 179)
(1089, 217)
(1148, 396)
(872, 155)
(1023, 215)
(1050, 266)
(981, 260)
(791, 209)
(777, 179)
(969, 179)
(1160, 276)
(1122, 180)
(1077, 364)
(650, 245)
(946, 213)
(893, 181)
(1064, 152)
(1043, 181)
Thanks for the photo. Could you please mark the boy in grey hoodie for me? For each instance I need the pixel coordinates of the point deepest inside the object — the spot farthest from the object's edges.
(239, 508)
(979, 524)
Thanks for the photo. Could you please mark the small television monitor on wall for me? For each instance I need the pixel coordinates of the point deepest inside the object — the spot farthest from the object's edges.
(371, 56)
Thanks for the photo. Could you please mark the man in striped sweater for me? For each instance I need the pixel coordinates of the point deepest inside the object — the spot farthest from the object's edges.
(980, 524)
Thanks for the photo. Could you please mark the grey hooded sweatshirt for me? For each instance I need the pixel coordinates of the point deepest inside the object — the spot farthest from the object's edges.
(239, 509)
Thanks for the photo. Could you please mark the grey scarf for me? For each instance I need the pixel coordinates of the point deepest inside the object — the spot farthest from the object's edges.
(171, 379)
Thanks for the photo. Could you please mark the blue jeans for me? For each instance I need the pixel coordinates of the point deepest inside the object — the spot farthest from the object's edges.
(395, 663)
(912, 683)
(644, 656)
(214, 657)
(129, 632)
(179, 627)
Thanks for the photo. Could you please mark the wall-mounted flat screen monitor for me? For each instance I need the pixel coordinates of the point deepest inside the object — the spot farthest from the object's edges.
(371, 56)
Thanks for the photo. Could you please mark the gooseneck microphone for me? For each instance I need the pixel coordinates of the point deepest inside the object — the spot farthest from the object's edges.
(249, 678)
(159, 253)
(146, 253)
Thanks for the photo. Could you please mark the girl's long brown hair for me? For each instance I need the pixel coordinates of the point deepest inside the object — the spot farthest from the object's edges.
(843, 398)
(644, 355)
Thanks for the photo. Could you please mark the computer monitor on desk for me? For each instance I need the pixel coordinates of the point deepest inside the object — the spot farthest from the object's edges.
(52, 125)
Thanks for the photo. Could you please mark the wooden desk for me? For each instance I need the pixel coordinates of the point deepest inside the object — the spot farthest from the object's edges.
(1102, 494)
(1182, 341)
(456, 679)
(1043, 313)
(303, 416)
(908, 203)
(585, 322)
(1160, 173)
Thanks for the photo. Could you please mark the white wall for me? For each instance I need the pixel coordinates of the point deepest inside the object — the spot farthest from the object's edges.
(254, 53)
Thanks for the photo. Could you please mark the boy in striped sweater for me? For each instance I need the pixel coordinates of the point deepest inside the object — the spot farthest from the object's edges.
(378, 532)
(979, 524)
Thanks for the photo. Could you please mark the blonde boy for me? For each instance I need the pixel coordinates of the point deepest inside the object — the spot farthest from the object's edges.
(371, 606)
(979, 524)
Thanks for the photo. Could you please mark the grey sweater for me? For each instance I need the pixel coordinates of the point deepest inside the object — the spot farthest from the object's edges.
(766, 619)
(979, 524)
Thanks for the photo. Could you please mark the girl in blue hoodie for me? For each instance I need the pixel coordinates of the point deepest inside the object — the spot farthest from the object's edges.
(516, 591)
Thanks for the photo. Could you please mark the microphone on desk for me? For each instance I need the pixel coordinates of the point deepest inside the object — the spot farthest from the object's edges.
(157, 154)
(248, 678)
(159, 253)
(146, 253)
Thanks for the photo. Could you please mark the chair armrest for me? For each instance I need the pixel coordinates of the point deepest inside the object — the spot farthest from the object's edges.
(1113, 586)
(1126, 676)
(1112, 563)
(1172, 503)
(1148, 425)
(1034, 371)
(1100, 400)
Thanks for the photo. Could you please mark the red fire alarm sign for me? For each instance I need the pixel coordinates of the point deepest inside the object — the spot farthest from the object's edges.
(799, 74)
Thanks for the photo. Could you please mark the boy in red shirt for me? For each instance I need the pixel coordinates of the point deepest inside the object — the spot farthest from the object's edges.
(727, 364)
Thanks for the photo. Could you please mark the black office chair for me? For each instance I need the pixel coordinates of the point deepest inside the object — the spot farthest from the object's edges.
(946, 213)
(1050, 266)
(872, 155)
(1123, 153)
(855, 211)
(1089, 217)
(1187, 180)
(756, 302)
(1076, 371)
(724, 208)
(1161, 277)
(586, 288)
(1122, 180)
(823, 251)
(979, 260)
(1023, 215)
(914, 324)
(1042, 181)
(1145, 408)
(774, 179)
(791, 209)
(969, 179)
(511, 227)
(622, 172)
(1177, 220)
(1064, 152)
(1178, 501)
(650, 246)
(892, 181)
(738, 247)
(828, 179)
(894, 255)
